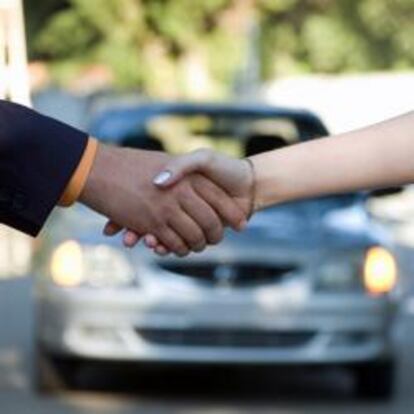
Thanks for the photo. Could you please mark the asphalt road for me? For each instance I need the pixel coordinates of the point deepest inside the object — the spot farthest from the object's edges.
(179, 390)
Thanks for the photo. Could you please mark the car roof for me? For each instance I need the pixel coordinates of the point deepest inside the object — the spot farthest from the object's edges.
(118, 121)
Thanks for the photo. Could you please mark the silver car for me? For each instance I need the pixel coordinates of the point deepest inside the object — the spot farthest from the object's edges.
(310, 282)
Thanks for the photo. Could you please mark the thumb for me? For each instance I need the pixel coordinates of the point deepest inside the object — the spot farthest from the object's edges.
(181, 166)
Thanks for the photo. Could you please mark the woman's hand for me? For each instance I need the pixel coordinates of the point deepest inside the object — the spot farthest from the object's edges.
(234, 176)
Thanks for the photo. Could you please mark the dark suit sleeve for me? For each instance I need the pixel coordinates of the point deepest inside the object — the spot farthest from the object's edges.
(38, 156)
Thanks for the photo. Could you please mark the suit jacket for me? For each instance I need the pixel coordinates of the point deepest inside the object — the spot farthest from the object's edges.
(38, 156)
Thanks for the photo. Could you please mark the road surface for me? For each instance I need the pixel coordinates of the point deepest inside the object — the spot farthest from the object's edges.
(179, 390)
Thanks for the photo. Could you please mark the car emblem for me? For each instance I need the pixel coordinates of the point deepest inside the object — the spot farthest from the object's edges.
(225, 276)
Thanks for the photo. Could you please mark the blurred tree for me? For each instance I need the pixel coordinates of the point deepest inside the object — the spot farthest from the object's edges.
(156, 44)
(336, 36)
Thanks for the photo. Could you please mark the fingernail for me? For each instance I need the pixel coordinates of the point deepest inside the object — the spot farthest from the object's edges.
(162, 177)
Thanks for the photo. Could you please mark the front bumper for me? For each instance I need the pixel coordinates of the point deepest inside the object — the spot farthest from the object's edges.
(167, 326)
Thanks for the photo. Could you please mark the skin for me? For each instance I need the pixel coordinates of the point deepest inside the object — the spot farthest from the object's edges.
(185, 218)
(238, 187)
(378, 156)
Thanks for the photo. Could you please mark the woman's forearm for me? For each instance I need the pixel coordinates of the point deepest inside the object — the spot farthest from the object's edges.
(377, 156)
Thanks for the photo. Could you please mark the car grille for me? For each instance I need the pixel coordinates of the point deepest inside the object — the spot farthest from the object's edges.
(226, 338)
(235, 275)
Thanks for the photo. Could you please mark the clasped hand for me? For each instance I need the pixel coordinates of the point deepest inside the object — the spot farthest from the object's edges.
(177, 205)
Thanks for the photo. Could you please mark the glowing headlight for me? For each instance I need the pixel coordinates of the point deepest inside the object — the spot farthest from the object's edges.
(380, 271)
(96, 266)
(66, 267)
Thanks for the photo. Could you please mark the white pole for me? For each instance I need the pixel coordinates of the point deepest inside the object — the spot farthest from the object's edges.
(3, 72)
(15, 253)
(18, 71)
(14, 76)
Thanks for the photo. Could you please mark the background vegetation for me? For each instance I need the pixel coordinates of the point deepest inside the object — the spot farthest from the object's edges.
(156, 44)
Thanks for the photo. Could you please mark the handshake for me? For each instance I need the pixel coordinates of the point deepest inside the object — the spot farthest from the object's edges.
(174, 204)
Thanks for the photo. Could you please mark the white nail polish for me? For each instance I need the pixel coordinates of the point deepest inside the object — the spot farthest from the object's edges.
(162, 177)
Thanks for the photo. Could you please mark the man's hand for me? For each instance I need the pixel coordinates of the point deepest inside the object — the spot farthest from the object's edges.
(186, 217)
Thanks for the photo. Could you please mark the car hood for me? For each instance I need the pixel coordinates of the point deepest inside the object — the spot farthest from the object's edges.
(338, 228)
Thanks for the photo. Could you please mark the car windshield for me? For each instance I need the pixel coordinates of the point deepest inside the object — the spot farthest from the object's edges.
(233, 134)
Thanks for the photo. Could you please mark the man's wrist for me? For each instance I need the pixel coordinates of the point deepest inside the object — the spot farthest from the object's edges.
(97, 187)
(79, 178)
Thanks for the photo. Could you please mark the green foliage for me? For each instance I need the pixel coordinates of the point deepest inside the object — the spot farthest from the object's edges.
(145, 42)
(66, 36)
(336, 36)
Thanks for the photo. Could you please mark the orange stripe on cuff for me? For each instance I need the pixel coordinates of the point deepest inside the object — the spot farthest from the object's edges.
(79, 177)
